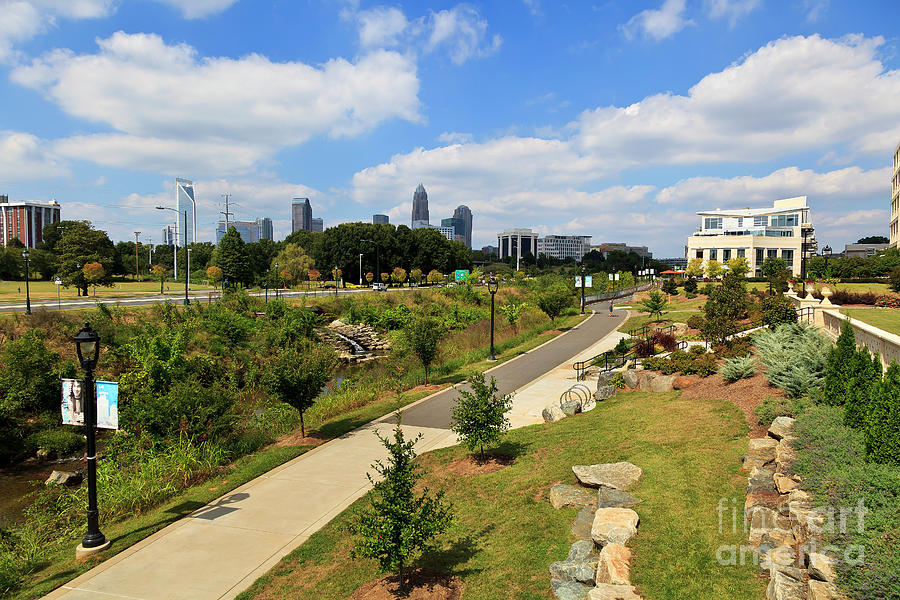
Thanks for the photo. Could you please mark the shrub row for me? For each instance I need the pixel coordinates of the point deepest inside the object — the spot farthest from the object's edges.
(696, 361)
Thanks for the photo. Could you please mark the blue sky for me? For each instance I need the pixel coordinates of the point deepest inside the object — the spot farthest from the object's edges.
(613, 119)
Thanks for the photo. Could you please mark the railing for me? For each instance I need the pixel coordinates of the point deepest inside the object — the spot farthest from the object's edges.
(616, 293)
(806, 315)
(646, 331)
(607, 361)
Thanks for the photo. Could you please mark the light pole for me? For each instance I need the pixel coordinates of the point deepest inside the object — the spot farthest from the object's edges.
(27, 291)
(335, 273)
(187, 271)
(87, 347)
(582, 288)
(360, 268)
(277, 281)
(826, 254)
(492, 288)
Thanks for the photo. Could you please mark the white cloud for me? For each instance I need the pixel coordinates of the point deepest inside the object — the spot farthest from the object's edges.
(463, 32)
(21, 20)
(733, 10)
(455, 137)
(814, 9)
(235, 110)
(197, 9)
(25, 157)
(658, 24)
(380, 27)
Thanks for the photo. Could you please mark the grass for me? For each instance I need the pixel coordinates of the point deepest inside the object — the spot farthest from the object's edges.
(887, 319)
(506, 534)
(669, 317)
(676, 303)
(14, 291)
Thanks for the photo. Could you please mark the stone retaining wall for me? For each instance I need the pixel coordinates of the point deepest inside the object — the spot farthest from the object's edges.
(878, 341)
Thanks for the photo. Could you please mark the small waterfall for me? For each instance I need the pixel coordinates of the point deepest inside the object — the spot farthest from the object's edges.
(357, 349)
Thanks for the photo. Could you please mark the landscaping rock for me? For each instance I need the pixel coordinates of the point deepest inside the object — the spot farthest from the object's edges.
(620, 475)
(785, 456)
(821, 567)
(67, 478)
(781, 427)
(614, 526)
(784, 484)
(681, 383)
(605, 378)
(760, 480)
(580, 566)
(614, 564)
(762, 451)
(588, 405)
(606, 591)
(784, 587)
(569, 590)
(563, 494)
(631, 378)
(604, 392)
(662, 383)
(571, 407)
(821, 590)
(644, 380)
(584, 520)
(608, 497)
(553, 413)
(776, 559)
(766, 526)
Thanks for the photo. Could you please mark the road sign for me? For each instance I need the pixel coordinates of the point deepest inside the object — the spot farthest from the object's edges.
(461, 274)
(57, 281)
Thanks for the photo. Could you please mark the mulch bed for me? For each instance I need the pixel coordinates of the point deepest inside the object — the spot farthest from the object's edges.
(423, 585)
(746, 394)
(474, 465)
(295, 439)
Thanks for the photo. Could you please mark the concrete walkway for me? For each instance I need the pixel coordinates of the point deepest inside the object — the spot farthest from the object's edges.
(219, 550)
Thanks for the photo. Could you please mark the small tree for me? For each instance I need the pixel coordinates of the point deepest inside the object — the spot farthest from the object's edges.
(398, 524)
(287, 277)
(385, 278)
(739, 265)
(690, 285)
(727, 304)
(336, 275)
(713, 269)
(422, 334)
(416, 276)
(512, 310)
(479, 416)
(314, 275)
(434, 276)
(398, 275)
(370, 276)
(840, 369)
(778, 309)
(554, 300)
(298, 376)
(895, 279)
(93, 273)
(695, 268)
(214, 274)
(159, 274)
(670, 287)
(654, 304)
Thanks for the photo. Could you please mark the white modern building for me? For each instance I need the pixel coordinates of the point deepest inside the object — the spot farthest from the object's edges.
(184, 201)
(447, 232)
(564, 246)
(895, 200)
(25, 221)
(783, 231)
(517, 243)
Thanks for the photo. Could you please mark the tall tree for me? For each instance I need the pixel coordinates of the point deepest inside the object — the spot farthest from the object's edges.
(298, 376)
(233, 259)
(294, 260)
(79, 245)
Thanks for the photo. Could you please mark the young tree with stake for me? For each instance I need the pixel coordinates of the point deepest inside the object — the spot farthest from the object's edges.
(479, 416)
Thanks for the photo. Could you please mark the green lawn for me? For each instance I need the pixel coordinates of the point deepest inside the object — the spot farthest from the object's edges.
(14, 291)
(883, 318)
(640, 320)
(506, 534)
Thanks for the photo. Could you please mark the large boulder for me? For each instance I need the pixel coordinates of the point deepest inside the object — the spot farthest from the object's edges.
(553, 413)
(580, 566)
(605, 378)
(569, 590)
(784, 587)
(662, 383)
(631, 378)
(762, 452)
(68, 478)
(571, 407)
(821, 567)
(604, 392)
(822, 590)
(563, 494)
(606, 591)
(584, 520)
(608, 497)
(781, 428)
(681, 383)
(614, 564)
(784, 484)
(620, 475)
(614, 526)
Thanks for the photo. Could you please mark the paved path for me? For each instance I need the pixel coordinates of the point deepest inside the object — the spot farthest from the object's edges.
(219, 550)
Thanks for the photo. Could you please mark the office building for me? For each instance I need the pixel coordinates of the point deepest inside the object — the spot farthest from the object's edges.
(676, 264)
(863, 250)
(264, 229)
(607, 247)
(517, 243)
(168, 235)
(248, 230)
(462, 212)
(895, 200)
(317, 225)
(184, 201)
(25, 221)
(447, 232)
(420, 208)
(381, 219)
(458, 226)
(563, 247)
(301, 215)
(489, 250)
(782, 231)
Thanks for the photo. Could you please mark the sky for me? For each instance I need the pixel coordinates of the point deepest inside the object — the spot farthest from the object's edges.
(617, 119)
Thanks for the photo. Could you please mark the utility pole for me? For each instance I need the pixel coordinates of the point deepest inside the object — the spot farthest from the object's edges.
(137, 267)
(226, 212)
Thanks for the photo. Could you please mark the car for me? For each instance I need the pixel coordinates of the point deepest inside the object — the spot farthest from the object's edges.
(328, 286)
(379, 287)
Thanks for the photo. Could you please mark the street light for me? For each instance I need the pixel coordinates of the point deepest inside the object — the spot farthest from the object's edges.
(582, 288)
(377, 276)
(277, 280)
(492, 288)
(27, 292)
(826, 254)
(188, 269)
(360, 268)
(87, 347)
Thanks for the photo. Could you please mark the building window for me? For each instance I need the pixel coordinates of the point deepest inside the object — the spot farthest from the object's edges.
(713, 254)
(784, 221)
(772, 253)
(760, 256)
(726, 254)
(740, 222)
(699, 254)
(788, 256)
(712, 223)
(741, 253)
(760, 221)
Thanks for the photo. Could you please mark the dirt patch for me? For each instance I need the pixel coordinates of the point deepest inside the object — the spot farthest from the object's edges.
(425, 388)
(746, 394)
(474, 465)
(422, 586)
(552, 332)
(295, 439)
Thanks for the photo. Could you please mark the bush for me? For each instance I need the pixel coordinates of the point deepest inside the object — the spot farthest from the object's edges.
(894, 279)
(727, 305)
(645, 348)
(690, 295)
(696, 322)
(794, 356)
(27, 379)
(618, 380)
(781, 407)
(738, 368)
(686, 363)
(57, 442)
(690, 285)
(777, 309)
(882, 432)
(666, 340)
(670, 288)
(847, 297)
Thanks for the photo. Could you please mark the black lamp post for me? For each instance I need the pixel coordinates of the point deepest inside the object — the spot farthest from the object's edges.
(277, 280)
(27, 292)
(582, 289)
(826, 254)
(492, 288)
(87, 346)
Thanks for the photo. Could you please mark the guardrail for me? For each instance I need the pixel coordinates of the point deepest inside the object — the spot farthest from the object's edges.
(616, 293)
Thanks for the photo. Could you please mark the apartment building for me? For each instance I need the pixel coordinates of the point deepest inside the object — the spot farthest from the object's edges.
(783, 231)
(895, 200)
(564, 246)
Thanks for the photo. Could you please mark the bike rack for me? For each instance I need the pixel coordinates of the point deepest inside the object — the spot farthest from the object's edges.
(580, 392)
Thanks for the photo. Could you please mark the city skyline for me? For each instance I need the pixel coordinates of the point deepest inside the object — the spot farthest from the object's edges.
(627, 118)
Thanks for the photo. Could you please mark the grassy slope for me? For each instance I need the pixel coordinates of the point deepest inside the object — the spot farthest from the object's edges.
(506, 534)
(678, 317)
(883, 318)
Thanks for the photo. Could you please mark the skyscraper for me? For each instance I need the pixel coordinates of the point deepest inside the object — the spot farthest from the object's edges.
(462, 212)
(316, 225)
(381, 219)
(458, 226)
(420, 208)
(264, 229)
(301, 215)
(184, 201)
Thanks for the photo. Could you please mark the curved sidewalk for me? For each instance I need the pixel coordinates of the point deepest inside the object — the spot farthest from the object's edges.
(219, 550)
